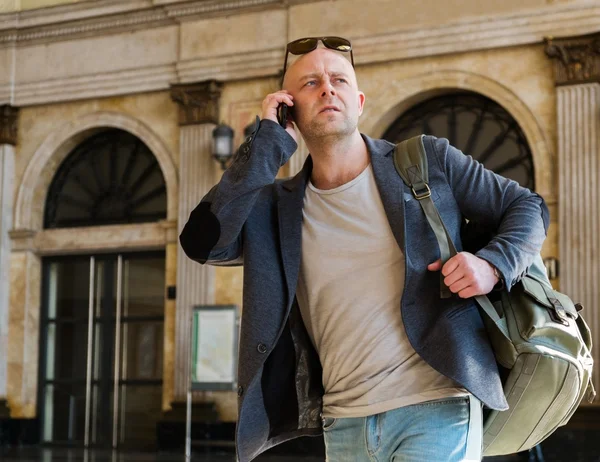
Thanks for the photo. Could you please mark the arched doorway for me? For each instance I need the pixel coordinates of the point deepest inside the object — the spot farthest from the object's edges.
(476, 125)
(102, 318)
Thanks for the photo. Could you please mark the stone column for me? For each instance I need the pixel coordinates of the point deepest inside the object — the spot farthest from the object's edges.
(23, 321)
(577, 72)
(198, 116)
(8, 140)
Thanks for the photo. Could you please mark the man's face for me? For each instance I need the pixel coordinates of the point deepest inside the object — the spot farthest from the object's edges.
(327, 101)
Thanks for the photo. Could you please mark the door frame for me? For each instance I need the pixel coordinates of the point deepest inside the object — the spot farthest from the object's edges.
(44, 322)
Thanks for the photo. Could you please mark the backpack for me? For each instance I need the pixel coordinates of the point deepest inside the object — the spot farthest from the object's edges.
(541, 343)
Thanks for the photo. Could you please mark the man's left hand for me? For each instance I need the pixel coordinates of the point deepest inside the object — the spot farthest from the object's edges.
(467, 275)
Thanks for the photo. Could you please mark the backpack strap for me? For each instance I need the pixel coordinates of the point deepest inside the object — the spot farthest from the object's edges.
(410, 160)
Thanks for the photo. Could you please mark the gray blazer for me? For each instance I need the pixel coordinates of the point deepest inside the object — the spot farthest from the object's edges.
(252, 219)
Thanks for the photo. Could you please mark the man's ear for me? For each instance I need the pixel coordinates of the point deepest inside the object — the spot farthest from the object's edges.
(361, 102)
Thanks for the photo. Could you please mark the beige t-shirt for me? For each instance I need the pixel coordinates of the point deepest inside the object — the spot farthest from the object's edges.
(349, 291)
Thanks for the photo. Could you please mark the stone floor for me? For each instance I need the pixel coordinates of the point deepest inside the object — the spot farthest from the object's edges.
(566, 445)
(79, 455)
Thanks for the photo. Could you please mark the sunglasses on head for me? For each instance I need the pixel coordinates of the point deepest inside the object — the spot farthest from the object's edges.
(308, 44)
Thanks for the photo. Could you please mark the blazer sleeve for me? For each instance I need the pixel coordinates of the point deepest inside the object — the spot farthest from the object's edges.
(213, 232)
(518, 216)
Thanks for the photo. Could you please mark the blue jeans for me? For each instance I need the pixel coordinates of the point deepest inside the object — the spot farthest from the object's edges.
(446, 430)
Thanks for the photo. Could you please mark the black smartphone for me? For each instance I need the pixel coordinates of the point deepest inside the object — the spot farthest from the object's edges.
(282, 114)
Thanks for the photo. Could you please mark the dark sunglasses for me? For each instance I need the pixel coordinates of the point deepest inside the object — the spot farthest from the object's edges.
(308, 44)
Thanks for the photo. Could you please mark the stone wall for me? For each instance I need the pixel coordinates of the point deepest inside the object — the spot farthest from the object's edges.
(115, 64)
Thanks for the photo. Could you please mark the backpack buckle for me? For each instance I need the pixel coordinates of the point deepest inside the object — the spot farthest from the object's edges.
(422, 194)
(559, 310)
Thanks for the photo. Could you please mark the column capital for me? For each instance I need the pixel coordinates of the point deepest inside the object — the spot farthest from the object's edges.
(576, 59)
(198, 102)
(8, 124)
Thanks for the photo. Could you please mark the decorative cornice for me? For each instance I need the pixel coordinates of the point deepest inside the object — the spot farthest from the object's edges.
(70, 12)
(467, 35)
(259, 63)
(576, 59)
(143, 79)
(85, 28)
(8, 124)
(105, 17)
(479, 33)
(219, 7)
(198, 103)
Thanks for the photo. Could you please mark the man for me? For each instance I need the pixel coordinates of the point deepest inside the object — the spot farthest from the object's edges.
(343, 330)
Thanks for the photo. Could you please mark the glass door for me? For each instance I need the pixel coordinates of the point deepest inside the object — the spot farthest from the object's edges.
(102, 350)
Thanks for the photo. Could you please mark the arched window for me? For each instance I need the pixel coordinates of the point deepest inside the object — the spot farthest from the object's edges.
(477, 126)
(111, 178)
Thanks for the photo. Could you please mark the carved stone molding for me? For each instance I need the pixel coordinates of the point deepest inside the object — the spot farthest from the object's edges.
(123, 82)
(104, 17)
(29, 206)
(85, 28)
(22, 239)
(198, 103)
(218, 7)
(171, 234)
(259, 63)
(130, 237)
(8, 124)
(576, 59)
(155, 73)
(110, 16)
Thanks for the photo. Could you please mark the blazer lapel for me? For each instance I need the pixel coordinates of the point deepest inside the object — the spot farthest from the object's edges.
(291, 200)
(289, 211)
(390, 185)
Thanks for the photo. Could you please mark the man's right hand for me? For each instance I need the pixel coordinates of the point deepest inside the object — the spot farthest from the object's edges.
(270, 105)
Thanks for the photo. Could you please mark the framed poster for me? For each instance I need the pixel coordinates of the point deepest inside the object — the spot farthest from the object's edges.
(214, 350)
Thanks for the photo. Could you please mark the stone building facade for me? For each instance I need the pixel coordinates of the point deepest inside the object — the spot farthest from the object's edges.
(168, 71)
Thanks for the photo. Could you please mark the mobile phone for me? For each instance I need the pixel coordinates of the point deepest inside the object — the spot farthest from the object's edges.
(282, 114)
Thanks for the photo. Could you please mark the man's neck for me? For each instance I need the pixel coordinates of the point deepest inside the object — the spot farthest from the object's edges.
(336, 162)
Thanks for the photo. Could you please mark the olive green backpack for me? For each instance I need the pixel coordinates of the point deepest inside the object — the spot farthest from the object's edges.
(541, 343)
